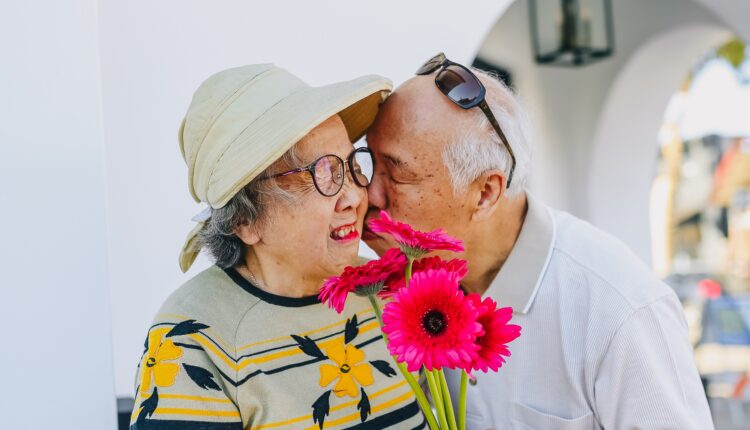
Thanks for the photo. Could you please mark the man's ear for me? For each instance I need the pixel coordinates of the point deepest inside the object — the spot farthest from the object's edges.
(490, 188)
(248, 233)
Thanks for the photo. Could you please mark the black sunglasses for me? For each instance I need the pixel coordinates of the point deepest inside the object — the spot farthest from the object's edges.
(328, 171)
(463, 88)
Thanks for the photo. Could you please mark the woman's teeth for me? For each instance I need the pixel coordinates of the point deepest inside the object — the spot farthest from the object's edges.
(342, 232)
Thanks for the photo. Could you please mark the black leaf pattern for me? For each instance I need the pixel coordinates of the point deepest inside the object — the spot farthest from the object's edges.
(321, 408)
(308, 346)
(148, 406)
(202, 377)
(383, 367)
(363, 405)
(351, 330)
(186, 327)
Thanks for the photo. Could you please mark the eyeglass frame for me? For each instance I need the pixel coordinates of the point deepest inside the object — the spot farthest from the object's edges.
(349, 165)
(441, 63)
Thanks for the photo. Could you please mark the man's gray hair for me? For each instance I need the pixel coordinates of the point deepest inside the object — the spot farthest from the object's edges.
(479, 149)
(251, 205)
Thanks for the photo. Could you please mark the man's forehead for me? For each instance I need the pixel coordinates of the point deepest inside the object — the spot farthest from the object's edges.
(417, 107)
(396, 152)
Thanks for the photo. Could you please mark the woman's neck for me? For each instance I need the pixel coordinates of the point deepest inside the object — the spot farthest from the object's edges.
(277, 278)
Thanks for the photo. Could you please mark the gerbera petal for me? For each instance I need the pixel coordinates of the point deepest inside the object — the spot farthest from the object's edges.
(328, 373)
(346, 386)
(452, 343)
(496, 333)
(165, 374)
(363, 280)
(412, 241)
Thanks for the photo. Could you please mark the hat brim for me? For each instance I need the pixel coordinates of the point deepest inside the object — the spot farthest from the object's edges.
(284, 124)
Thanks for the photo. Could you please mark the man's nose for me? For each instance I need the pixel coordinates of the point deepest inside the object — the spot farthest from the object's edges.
(376, 193)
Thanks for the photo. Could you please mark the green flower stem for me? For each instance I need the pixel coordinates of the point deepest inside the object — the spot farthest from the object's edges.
(376, 308)
(421, 397)
(440, 375)
(408, 271)
(424, 405)
(462, 401)
(437, 398)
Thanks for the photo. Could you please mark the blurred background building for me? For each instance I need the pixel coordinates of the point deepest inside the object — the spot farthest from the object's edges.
(648, 138)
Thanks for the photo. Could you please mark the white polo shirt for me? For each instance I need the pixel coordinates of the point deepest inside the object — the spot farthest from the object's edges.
(603, 342)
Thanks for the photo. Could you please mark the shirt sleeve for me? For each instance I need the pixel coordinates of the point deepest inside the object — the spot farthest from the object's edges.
(178, 386)
(647, 378)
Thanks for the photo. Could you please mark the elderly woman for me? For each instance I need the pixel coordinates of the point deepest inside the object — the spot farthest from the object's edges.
(246, 344)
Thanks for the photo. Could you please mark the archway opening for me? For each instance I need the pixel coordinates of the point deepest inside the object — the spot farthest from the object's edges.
(700, 216)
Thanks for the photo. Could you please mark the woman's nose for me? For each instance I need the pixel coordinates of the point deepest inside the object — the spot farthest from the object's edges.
(351, 195)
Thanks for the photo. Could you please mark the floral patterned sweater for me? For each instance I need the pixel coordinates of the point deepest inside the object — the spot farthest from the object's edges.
(223, 354)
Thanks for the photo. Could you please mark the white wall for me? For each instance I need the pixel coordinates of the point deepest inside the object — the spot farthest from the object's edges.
(567, 106)
(735, 13)
(155, 54)
(56, 358)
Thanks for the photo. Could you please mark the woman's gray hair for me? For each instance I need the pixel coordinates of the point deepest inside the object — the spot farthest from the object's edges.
(479, 148)
(250, 204)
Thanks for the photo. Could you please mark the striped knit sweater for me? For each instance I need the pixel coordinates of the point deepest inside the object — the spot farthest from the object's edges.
(223, 354)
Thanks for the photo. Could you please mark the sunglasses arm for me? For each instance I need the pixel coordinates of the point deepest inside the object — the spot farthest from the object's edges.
(491, 117)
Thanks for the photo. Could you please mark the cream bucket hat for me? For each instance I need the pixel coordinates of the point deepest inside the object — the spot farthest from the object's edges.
(242, 120)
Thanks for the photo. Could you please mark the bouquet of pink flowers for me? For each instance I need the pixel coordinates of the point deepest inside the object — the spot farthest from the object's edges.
(428, 322)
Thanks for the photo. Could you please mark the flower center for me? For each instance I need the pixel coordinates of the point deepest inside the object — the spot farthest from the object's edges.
(434, 322)
(345, 368)
(151, 362)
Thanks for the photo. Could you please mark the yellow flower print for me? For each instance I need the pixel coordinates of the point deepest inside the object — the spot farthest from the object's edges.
(347, 370)
(153, 365)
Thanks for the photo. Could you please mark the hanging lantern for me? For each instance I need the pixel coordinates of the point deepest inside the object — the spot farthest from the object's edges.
(571, 32)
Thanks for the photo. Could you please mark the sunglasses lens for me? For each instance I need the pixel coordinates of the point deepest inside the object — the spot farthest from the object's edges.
(460, 85)
(329, 175)
(431, 64)
(362, 167)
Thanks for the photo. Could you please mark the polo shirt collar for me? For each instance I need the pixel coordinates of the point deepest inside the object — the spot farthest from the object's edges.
(518, 281)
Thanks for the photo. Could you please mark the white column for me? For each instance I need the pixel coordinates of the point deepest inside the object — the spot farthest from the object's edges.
(56, 359)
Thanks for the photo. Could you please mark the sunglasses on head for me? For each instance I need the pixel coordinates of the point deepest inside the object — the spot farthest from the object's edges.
(328, 171)
(463, 88)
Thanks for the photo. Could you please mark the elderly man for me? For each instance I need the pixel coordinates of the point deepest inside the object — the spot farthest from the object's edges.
(604, 341)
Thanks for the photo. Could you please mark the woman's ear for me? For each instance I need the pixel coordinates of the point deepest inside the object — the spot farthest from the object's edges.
(248, 233)
(491, 188)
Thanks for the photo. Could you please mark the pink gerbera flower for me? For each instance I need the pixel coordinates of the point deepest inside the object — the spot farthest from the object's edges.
(414, 243)
(431, 323)
(497, 334)
(456, 267)
(364, 280)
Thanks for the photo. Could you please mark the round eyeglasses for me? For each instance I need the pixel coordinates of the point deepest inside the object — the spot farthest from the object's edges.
(328, 171)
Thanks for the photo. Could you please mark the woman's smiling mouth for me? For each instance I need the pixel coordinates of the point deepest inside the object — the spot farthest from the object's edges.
(345, 233)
